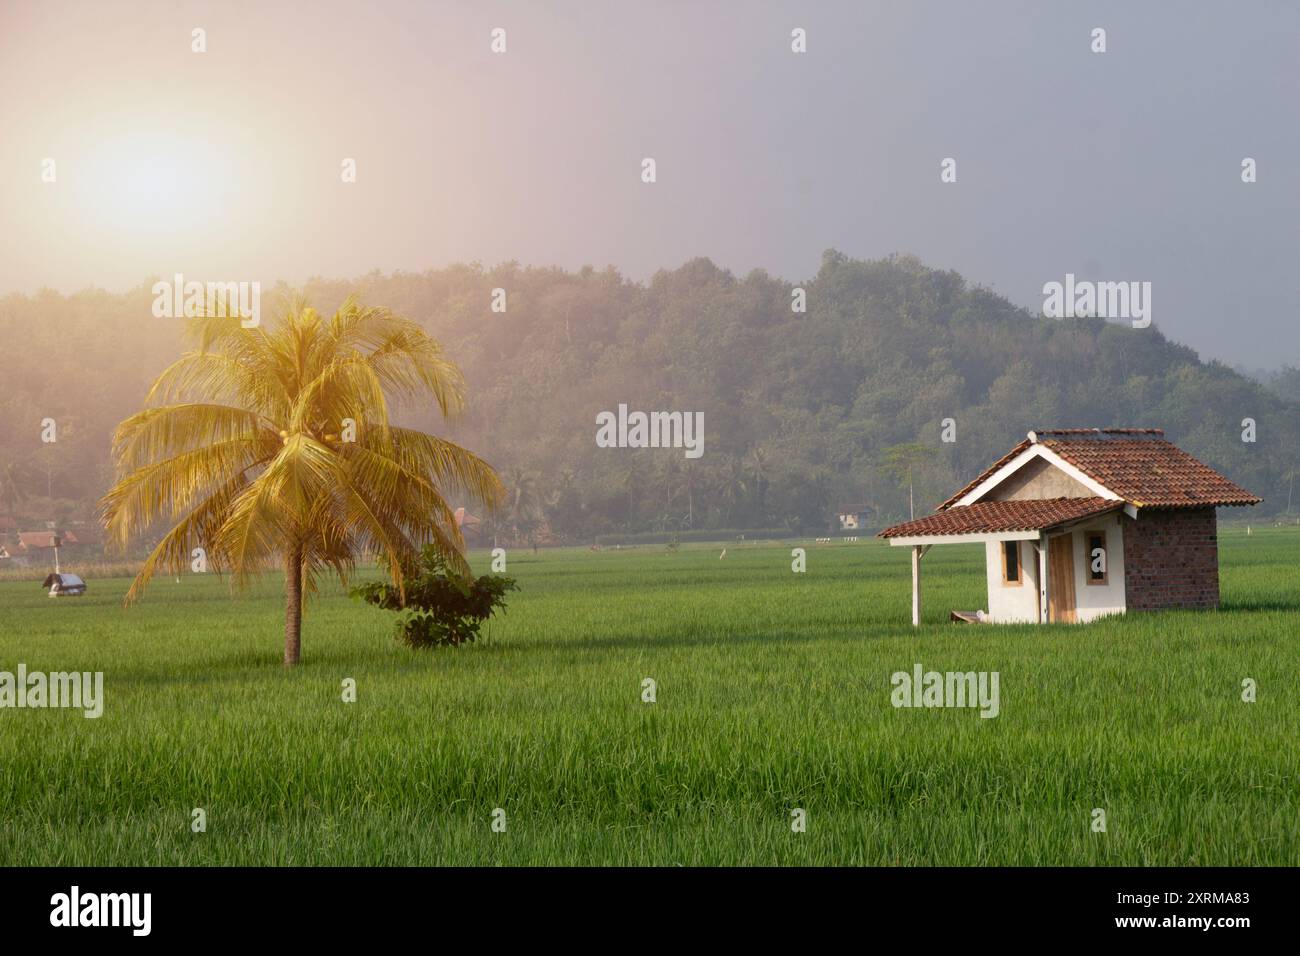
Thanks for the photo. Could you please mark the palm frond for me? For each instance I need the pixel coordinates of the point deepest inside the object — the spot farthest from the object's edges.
(239, 449)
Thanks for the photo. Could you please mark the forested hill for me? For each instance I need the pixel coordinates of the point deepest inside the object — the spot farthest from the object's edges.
(802, 412)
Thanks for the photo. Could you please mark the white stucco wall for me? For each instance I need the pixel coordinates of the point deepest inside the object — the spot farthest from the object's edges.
(1097, 600)
(1009, 603)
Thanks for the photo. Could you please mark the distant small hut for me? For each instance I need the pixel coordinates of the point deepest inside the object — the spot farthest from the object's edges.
(469, 525)
(37, 542)
(852, 517)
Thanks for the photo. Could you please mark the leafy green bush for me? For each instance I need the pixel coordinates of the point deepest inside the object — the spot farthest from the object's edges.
(441, 608)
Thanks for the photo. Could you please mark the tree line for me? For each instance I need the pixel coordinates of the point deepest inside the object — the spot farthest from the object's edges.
(847, 402)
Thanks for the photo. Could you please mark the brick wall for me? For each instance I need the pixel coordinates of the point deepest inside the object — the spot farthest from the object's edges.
(1171, 559)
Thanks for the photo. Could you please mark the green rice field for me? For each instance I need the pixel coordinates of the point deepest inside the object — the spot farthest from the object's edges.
(772, 694)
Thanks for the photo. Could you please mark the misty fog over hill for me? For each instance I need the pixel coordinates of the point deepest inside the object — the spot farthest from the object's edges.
(800, 410)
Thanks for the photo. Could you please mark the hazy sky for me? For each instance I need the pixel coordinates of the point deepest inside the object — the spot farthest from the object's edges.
(226, 165)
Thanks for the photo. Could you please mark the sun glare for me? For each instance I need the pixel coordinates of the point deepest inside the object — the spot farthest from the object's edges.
(149, 182)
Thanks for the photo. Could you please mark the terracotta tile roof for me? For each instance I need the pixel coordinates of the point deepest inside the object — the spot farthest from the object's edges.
(1138, 464)
(1152, 473)
(1030, 514)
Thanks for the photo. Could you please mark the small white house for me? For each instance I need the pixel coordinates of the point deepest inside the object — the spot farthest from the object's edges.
(852, 517)
(1079, 523)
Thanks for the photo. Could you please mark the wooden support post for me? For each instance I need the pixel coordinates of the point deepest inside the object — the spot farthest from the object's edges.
(1041, 547)
(916, 585)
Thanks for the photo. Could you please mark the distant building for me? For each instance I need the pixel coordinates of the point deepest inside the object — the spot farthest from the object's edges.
(852, 517)
(1078, 523)
(469, 525)
(30, 541)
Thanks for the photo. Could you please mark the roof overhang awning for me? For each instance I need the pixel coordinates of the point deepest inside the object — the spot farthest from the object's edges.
(1022, 520)
(966, 538)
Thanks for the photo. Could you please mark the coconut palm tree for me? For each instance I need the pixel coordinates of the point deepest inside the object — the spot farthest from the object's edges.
(690, 482)
(273, 445)
(525, 502)
(731, 488)
(758, 467)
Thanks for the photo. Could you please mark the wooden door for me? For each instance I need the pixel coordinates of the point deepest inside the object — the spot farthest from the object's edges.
(1060, 579)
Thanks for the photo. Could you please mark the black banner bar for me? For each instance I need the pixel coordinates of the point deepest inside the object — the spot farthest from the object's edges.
(334, 905)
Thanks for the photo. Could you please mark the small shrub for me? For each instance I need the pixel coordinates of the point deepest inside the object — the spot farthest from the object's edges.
(441, 608)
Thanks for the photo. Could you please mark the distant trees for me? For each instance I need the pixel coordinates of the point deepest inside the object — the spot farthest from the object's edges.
(526, 512)
(901, 461)
(16, 479)
(731, 489)
(758, 469)
(801, 410)
(1285, 382)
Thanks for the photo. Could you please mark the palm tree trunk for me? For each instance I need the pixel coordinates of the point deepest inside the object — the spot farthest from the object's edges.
(293, 606)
